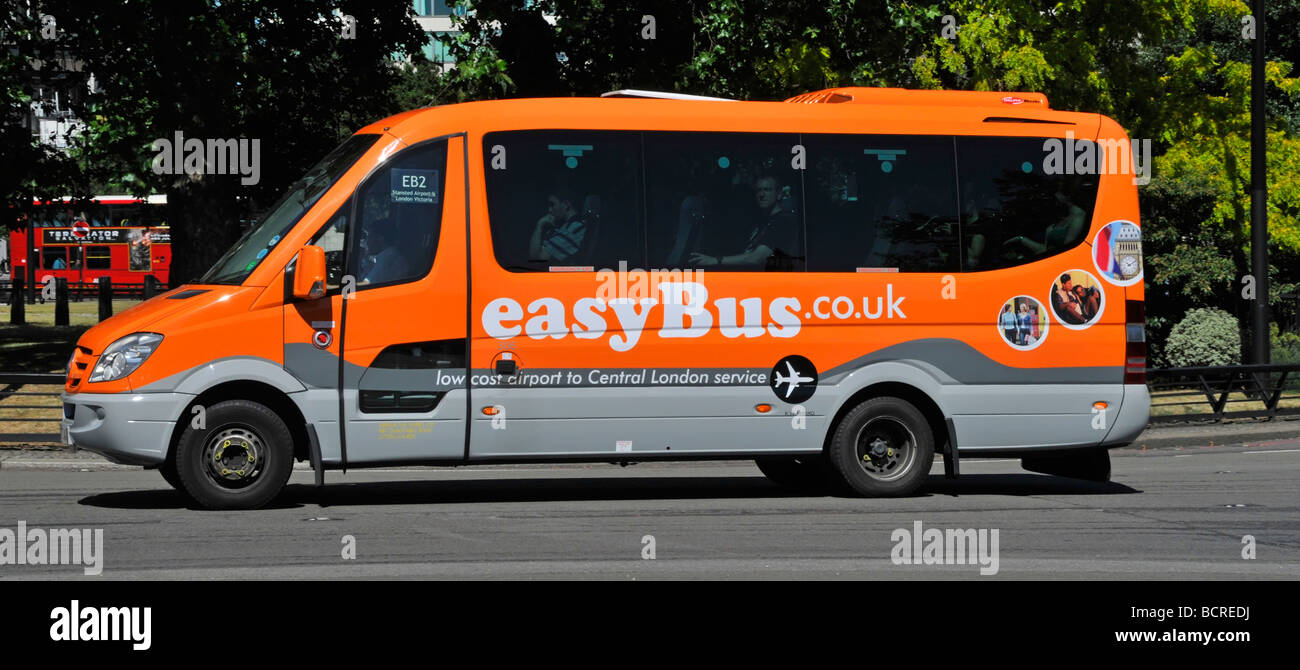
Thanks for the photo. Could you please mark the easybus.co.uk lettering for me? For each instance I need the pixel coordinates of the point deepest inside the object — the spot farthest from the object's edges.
(684, 312)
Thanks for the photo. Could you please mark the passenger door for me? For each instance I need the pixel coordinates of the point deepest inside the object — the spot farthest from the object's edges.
(403, 336)
(395, 255)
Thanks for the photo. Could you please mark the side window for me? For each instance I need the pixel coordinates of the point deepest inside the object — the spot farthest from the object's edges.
(563, 200)
(399, 217)
(98, 258)
(881, 203)
(1012, 211)
(54, 258)
(730, 201)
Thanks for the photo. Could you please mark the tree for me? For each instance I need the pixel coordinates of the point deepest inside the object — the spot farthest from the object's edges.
(282, 72)
(31, 169)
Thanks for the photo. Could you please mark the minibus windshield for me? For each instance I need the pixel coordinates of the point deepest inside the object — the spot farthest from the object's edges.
(237, 263)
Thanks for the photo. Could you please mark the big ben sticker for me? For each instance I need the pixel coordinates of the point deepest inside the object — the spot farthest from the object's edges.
(1117, 253)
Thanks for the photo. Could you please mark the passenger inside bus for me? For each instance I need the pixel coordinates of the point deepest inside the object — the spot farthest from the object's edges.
(773, 242)
(559, 235)
(1060, 233)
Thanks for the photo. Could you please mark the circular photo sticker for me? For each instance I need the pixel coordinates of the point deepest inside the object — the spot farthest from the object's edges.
(1117, 253)
(1022, 322)
(1077, 299)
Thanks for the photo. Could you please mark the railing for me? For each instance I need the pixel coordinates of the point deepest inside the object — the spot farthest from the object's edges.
(78, 291)
(1224, 392)
(48, 413)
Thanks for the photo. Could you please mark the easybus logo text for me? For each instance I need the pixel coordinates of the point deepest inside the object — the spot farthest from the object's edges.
(684, 311)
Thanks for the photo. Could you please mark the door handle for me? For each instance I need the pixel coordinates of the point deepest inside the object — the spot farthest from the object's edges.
(506, 366)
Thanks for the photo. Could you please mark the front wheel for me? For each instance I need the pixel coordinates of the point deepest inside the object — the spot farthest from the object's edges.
(883, 447)
(241, 460)
(170, 475)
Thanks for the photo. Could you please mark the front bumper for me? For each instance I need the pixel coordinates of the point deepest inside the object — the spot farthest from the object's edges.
(126, 428)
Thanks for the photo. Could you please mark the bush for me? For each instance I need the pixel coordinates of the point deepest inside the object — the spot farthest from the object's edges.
(1285, 346)
(1206, 336)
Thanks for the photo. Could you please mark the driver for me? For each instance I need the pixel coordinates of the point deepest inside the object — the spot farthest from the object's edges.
(383, 261)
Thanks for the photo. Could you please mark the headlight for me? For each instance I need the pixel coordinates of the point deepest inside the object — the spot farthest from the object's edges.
(122, 357)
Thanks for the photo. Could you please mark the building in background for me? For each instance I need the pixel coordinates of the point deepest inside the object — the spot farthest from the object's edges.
(435, 18)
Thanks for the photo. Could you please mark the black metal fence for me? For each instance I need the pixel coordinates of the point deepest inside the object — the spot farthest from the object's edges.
(60, 291)
(40, 411)
(1224, 392)
(80, 291)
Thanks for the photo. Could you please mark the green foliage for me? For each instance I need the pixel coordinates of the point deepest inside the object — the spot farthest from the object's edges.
(280, 72)
(29, 169)
(1205, 337)
(1285, 346)
(1173, 71)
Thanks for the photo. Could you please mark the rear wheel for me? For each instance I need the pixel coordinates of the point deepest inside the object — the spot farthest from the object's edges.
(241, 460)
(802, 472)
(883, 447)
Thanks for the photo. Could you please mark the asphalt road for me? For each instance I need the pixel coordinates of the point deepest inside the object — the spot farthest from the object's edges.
(1167, 514)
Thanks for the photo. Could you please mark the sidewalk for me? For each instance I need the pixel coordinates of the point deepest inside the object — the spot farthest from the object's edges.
(1166, 436)
(1240, 431)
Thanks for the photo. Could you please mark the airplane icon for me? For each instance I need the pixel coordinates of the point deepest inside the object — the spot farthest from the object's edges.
(792, 381)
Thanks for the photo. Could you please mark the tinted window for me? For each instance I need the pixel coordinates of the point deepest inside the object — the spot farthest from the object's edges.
(1012, 211)
(726, 201)
(881, 203)
(398, 218)
(55, 258)
(564, 200)
(98, 258)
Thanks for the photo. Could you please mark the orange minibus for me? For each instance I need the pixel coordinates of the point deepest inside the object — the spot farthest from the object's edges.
(839, 286)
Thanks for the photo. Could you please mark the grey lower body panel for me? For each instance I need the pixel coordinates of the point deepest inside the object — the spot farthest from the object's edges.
(644, 437)
(631, 421)
(1134, 415)
(127, 428)
(402, 437)
(1051, 419)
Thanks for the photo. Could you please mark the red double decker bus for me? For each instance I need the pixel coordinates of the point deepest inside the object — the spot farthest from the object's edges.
(121, 237)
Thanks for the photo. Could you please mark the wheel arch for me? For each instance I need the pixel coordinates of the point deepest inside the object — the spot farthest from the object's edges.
(256, 391)
(923, 401)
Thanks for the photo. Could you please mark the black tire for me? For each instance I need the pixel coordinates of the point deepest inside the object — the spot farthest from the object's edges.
(172, 477)
(242, 460)
(883, 448)
(806, 473)
(1093, 465)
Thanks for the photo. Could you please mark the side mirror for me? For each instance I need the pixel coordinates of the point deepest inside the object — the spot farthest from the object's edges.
(309, 274)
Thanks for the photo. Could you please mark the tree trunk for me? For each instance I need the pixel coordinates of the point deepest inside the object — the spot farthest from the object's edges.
(204, 217)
